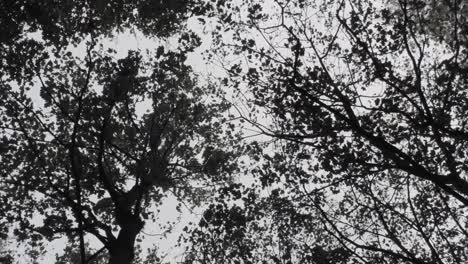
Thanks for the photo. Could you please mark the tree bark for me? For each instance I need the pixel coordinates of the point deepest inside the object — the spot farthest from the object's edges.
(121, 250)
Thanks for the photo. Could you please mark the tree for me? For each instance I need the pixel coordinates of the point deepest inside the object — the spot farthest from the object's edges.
(261, 230)
(367, 105)
(82, 158)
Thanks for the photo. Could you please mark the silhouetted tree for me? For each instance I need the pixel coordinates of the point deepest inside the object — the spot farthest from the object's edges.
(261, 230)
(81, 159)
(367, 103)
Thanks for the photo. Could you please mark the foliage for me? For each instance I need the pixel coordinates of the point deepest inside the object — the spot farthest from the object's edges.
(358, 112)
(79, 155)
(367, 102)
(261, 230)
(63, 22)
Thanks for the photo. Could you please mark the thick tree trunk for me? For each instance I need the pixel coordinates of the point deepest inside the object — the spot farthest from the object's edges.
(122, 249)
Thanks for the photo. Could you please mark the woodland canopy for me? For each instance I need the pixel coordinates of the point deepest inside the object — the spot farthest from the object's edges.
(329, 131)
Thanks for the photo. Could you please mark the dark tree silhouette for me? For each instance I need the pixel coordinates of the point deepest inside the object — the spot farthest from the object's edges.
(81, 158)
(261, 230)
(367, 103)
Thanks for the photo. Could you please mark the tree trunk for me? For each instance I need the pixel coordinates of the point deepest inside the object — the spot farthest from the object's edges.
(122, 249)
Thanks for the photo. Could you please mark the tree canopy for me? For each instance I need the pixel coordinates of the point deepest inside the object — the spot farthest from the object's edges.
(353, 116)
(91, 143)
(365, 161)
